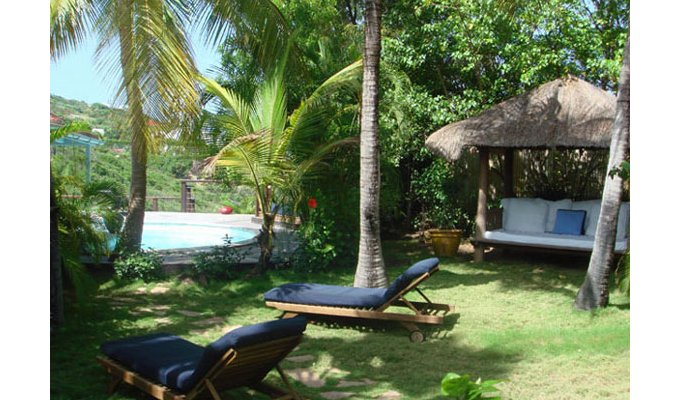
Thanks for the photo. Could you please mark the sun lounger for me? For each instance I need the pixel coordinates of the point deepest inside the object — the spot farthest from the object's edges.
(365, 303)
(170, 368)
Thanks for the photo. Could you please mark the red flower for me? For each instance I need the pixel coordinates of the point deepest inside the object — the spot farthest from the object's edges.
(311, 203)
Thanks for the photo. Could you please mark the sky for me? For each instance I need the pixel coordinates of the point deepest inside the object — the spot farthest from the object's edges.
(76, 77)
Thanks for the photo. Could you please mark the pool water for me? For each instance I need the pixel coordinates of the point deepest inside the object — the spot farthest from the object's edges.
(163, 236)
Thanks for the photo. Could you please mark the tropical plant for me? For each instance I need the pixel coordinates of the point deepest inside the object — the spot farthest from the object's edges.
(274, 152)
(370, 265)
(594, 291)
(460, 387)
(147, 42)
(146, 265)
(83, 218)
(218, 263)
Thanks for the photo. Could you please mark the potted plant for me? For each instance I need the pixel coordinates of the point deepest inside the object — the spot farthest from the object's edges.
(445, 238)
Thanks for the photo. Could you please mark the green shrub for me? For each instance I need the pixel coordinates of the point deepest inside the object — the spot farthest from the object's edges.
(144, 265)
(219, 263)
(462, 388)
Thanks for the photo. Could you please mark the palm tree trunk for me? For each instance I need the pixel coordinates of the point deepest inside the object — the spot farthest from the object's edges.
(134, 224)
(266, 241)
(56, 282)
(371, 266)
(594, 291)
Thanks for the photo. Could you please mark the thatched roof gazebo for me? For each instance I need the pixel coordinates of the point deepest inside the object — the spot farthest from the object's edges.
(565, 113)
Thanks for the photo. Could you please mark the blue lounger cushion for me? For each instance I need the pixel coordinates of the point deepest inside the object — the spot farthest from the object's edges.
(180, 364)
(345, 296)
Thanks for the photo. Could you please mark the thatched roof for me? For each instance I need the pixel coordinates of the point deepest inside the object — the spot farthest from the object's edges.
(567, 112)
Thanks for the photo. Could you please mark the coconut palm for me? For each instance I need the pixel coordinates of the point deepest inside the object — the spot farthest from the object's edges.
(370, 270)
(594, 291)
(145, 43)
(273, 151)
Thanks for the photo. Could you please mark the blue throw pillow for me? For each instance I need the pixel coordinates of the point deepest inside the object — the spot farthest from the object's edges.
(569, 222)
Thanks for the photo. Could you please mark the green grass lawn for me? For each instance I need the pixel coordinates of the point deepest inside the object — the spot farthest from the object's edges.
(514, 321)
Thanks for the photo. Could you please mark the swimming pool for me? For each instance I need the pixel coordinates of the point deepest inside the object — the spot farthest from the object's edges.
(172, 235)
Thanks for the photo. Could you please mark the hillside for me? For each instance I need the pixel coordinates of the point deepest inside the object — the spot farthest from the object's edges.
(111, 161)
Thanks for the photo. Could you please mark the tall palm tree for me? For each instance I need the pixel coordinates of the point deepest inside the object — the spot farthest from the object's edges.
(370, 270)
(594, 291)
(273, 151)
(146, 41)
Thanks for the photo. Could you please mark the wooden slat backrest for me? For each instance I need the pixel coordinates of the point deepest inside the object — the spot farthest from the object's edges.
(249, 365)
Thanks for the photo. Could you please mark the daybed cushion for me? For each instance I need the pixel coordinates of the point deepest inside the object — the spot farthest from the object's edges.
(569, 222)
(524, 214)
(553, 206)
(180, 364)
(327, 295)
(548, 239)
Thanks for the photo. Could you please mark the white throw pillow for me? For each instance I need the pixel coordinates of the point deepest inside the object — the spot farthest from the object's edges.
(524, 215)
(623, 226)
(592, 208)
(553, 206)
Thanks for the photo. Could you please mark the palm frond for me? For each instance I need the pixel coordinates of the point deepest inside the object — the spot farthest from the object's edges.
(71, 127)
(70, 22)
(240, 122)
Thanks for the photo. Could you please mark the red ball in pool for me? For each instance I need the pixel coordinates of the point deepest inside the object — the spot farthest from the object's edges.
(226, 210)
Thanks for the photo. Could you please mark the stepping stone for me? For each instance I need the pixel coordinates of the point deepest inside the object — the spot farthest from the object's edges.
(201, 332)
(336, 395)
(123, 300)
(337, 371)
(140, 290)
(228, 328)
(188, 313)
(306, 377)
(159, 290)
(160, 307)
(363, 382)
(537, 270)
(209, 321)
(305, 358)
(389, 395)
(163, 320)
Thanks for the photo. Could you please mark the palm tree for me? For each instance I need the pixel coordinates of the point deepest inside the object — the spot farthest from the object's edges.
(273, 151)
(370, 266)
(594, 291)
(146, 41)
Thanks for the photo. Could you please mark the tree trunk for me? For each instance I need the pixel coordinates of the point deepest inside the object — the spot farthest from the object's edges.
(134, 224)
(56, 282)
(594, 291)
(266, 241)
(371, 266)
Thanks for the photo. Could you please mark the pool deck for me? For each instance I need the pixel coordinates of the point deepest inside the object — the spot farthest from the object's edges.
(284, 240)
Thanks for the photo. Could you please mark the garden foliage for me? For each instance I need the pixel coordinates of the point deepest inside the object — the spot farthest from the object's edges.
(146, 265)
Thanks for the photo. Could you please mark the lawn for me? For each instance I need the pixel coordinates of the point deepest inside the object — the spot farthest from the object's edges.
(514, 321)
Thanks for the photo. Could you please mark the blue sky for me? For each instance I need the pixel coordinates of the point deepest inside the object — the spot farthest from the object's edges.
(75, 75)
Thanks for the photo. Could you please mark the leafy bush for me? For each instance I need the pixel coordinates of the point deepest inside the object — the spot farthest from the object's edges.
(144, 265)
(316, 250)
(219, 263)
(462, 388)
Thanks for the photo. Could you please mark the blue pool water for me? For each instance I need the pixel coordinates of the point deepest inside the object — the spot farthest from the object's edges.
(163, 236)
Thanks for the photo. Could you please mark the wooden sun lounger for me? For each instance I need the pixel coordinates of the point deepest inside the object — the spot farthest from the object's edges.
(425, 312)
(245, 367)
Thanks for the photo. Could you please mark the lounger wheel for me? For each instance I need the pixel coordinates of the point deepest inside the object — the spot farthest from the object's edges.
(417, 336)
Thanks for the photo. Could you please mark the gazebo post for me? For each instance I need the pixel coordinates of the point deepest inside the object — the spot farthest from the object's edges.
(508, 172)
(482, 193)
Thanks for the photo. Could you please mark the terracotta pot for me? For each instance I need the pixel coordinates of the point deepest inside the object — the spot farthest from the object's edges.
(226, 210)
(445, 242)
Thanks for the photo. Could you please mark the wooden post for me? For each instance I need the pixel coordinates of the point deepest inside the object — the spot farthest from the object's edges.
(183, 196)
(154, 204)
(508, 173)
(480, 219)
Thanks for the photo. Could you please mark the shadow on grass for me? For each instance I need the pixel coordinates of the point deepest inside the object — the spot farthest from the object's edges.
(387, 357)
